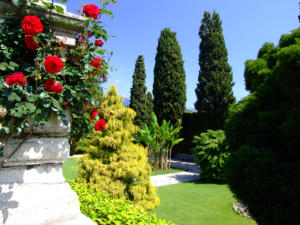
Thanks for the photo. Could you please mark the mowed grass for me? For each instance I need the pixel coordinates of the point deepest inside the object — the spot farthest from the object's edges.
(161, 172)
(70, 169)
(197, 203)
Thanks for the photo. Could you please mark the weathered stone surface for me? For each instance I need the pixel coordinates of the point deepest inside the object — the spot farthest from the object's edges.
(36, 151)
(41, 174)
(54, 126)
(40, 204)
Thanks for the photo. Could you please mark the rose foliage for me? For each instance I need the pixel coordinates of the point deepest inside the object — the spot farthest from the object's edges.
(40, 74)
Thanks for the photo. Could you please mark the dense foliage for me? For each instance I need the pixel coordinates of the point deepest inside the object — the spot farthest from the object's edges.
(150, 108)
(113, 163)
(210, 153)
(138, 97)
(193, 123)
(169, 89)
(40, 74)
(214, 88)
(103, 209)
(160, 140)
(263, 131)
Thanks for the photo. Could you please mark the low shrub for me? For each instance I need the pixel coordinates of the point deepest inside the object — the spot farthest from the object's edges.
(103, 209)
(211, 153)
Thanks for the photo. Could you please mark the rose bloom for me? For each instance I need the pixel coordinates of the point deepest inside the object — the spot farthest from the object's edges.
(99, 43)
(53, 64)
(16, 78)
(58, 88)
(93, 114)
(100, 125)
(96, 62)
(90, 34)
(91, 10)
(52, 86)
(32, 25)
(29, 41)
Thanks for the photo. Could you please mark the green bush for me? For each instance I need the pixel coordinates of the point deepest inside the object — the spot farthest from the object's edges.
(263, 133)
(112, 162)
(103, 209)
(211, 153)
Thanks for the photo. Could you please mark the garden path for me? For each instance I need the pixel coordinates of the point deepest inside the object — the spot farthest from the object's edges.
(191, 173)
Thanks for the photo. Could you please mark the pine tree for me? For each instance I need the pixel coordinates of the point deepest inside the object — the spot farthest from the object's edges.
(138, 96)
(149, 108)
(169, 89)
(214, 88)
(113, 163)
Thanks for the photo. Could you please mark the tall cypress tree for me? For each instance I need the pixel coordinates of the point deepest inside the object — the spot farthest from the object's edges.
(169, 89)
(138, 96)
(214, 88)
(149, 105)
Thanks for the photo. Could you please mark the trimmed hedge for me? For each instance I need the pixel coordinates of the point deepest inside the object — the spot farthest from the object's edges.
(103, 209)
(193, 123)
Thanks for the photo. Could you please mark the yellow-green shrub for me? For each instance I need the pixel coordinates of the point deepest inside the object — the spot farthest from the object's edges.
(113, 163)
(104, 209)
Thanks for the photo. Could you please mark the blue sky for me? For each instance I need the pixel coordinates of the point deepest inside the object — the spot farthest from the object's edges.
(137, 24)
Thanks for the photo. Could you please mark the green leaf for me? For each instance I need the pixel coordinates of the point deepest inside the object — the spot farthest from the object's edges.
(3, 66)
(17, 2)
(13, 64)
(59, 9)
(56, 104)
(14, 97)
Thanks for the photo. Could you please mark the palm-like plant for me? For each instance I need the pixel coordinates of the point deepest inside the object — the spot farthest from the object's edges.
(159, 140)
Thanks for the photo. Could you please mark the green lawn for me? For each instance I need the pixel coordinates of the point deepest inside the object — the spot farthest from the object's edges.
(70, 169)
(196, 203)
(160, 172)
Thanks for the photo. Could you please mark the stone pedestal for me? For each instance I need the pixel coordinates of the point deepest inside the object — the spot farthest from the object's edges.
(32, 188)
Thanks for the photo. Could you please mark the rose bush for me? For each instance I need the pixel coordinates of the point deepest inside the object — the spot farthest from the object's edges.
(40, 74)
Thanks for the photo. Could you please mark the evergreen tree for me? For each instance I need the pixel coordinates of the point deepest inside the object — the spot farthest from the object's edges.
(113, 163)
(214, 88)
(149, 108)
(138, 96)
(169, 89)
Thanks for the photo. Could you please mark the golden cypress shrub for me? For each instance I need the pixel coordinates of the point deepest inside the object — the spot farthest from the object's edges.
(113, 163)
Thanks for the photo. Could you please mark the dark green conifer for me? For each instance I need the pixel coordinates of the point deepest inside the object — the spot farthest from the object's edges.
(214, 88)
(169, 89)
(138, 96)
(149, 108)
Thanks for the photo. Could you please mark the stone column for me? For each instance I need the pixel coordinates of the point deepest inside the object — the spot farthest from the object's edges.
(33, 190)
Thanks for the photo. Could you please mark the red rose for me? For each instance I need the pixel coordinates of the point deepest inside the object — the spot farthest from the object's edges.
(100, 125)
(16, 78)
(29, 41)
(52, 86)
(49, 84)
(96, 62)
(91, 10)
(32, 25)
(93, 114)
(53, 64)
(99, 43)
(58, 88)
(90, 34)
